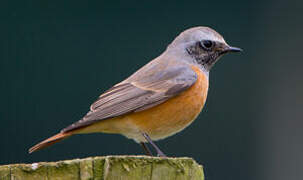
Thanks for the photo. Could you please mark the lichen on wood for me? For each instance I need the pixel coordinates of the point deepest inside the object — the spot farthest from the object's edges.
(107, 168)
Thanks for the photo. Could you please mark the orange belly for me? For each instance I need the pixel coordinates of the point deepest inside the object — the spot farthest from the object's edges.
(162, 120)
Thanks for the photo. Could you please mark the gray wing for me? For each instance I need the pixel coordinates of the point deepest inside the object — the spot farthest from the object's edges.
(138, 95)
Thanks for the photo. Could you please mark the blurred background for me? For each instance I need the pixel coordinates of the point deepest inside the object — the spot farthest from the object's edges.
(56, 58)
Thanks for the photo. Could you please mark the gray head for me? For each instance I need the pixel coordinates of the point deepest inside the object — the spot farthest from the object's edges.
(204, 45)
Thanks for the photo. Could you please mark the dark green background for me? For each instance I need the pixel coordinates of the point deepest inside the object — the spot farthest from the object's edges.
(56, 58)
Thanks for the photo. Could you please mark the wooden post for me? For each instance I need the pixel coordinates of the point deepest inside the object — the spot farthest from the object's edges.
(107, 168)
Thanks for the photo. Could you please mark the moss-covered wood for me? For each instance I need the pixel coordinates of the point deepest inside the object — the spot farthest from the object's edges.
(107, 168)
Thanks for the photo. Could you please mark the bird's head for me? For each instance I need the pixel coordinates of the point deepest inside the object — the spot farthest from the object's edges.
(203, 45)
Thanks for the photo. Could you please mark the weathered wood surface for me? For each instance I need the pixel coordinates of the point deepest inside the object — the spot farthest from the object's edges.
(107, 168)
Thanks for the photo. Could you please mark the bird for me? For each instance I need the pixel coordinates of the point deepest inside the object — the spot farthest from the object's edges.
(161, 98)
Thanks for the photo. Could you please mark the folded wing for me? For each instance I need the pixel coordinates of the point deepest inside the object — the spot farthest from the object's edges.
(139, 95)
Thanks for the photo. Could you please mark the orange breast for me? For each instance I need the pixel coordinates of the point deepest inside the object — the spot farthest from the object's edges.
(175, 114)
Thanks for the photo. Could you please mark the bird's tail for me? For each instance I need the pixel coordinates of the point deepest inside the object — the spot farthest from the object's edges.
(54, 139)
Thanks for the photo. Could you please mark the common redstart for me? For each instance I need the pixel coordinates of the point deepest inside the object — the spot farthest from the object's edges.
(161, 98)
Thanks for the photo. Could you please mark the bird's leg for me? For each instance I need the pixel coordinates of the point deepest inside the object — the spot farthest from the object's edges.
(159, 152)
(146, 149)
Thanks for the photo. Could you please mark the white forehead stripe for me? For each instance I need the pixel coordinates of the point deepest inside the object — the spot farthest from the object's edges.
(202, 35)
(197, 34)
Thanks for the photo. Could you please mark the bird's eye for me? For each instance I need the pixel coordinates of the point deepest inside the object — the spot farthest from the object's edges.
(206, 44)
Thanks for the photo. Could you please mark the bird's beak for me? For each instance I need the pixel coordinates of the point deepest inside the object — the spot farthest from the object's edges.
(228, 49)
(233, 49)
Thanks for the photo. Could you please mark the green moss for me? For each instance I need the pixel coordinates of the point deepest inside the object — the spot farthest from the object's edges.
(127, 167)
(5, 172)
(29, 171)
(98, 166)
(86, 169)
(107, 168)
(67, 170)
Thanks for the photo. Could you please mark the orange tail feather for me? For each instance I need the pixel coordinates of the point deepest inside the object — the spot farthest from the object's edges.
(54, 139)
